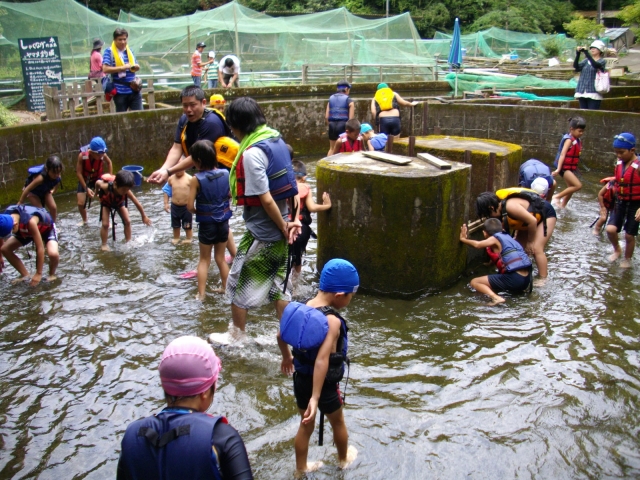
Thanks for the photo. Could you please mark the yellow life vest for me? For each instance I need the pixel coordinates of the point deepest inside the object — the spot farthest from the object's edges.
(504, 193)
(226, 147)
(384, 98)
(536, 207)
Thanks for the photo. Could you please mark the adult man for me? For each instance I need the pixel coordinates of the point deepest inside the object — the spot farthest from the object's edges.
(118, 60)
(196, 64)
(259, 272)
(228, 71)
(339, 109)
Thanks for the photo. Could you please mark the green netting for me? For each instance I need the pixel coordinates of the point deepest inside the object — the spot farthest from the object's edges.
(472, 83)
(533, 96)
(495, 42)
(262, 42)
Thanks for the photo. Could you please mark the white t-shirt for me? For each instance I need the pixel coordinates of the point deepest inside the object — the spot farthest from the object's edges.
(232, 70)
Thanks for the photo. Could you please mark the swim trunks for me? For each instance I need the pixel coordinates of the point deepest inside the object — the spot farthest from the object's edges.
(390, 125)
(624, 213)
(330, 398)
(180, 216)
(336, 127)
(300, 245)
(509, 282)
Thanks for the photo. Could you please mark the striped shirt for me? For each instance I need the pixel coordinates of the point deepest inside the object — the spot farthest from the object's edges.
(587, 81)
(196, 68)
(121, 83)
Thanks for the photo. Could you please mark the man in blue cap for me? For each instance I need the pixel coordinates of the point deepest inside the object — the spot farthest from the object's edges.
(339, 109)
(320, 367)
(90, 167)
(627, 210)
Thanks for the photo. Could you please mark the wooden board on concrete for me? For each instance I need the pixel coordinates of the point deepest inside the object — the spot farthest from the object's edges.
(435, 161)
(388, 157)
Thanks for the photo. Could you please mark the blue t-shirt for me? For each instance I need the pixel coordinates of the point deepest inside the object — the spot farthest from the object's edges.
(209, 127)
(121, 83)
(379, 141)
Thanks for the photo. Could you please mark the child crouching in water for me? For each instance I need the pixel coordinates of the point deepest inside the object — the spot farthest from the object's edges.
(318, 335)
(209, 200)
(114, 193)
(510, 259)
(41, 186)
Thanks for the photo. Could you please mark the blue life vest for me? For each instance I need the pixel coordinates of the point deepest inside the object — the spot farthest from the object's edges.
(212, 201)
(305, 328)
(379, 141)
(282, 181)
(532, 169)
(512, 254)
(339, 107)
(174, 444)
(47, 184)
(26, 212)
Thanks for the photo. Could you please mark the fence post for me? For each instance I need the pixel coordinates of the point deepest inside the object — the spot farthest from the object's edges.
(99, 96)
(425, 118)
(151, 96)
(85, 97)
(467, 157)
(411, 150)
(389, 147)
(305, 69)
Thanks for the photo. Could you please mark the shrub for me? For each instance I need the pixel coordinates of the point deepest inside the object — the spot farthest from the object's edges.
(6, 117)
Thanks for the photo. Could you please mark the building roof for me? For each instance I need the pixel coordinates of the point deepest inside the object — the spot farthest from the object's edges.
(615, 33)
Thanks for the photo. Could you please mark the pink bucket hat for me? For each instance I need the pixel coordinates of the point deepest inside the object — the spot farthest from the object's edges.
(188, 367)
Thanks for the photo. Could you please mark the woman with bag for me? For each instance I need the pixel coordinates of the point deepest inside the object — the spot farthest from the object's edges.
(591, 71)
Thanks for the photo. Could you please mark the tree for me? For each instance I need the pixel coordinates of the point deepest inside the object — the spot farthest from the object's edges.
(630, 15)
(582, 28)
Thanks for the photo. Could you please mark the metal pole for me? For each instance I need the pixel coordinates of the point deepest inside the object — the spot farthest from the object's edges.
(235, 21)
(599, 14)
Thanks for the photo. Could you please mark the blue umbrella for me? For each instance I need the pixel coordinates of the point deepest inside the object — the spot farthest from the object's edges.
(455, 54)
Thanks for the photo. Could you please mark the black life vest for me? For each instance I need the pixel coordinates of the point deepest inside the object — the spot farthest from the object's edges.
(339, 107)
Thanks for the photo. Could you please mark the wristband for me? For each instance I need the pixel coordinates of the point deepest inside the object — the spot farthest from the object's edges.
(168, 172)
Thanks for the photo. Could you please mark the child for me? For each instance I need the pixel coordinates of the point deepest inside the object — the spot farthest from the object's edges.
(180, 215)
(533, 169)
(218, 102)
(339, 109)
(307, 206)
(183, 440)
(372, 142)
(318, 335)
(166, 195)
(114, 193)
(350, 141)
(627, 209)
(209, 200)
(29, 224)
(41, 186)
(567, 159)
(512, 261)
(90, 167)
(606, 200)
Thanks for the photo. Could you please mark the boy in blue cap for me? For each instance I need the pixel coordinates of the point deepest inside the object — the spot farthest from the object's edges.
(318, 357)
(626, 212)
(90, 167)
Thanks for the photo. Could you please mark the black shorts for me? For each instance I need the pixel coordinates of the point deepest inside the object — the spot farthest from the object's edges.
(181, 217)
(509, 282)
(210, 233)
(330, 397)
(336, 128)
(91, 184)
(549, 211)
(390, 125)
(300, 245)
(624, 213)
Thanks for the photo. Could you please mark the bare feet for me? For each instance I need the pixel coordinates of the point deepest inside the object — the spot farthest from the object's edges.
(105, 248)
(496, 300)
(82, 224)
(626, 263)
(596, 232)
(186, 242)
(352, 453)
(51, 278)
(200, 297)
(175, 241)
(311, 467)
(540, 282)
(217, 290)
(21, 279)
(615, 255)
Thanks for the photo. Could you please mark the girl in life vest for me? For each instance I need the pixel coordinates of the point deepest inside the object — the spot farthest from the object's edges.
(90, 167)
(626, 213)
(42, 182)
(350, 141)
(567, 159)
(183, 440)
(385, 109)
(209, 198)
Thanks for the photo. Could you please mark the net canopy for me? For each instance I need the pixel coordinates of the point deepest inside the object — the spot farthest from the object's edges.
(472, 83)
(260, 41)
(495, 42)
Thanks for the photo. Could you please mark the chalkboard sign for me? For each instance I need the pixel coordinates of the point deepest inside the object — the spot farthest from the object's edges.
(41, 65)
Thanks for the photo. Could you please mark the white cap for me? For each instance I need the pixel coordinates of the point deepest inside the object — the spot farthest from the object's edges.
(212, 54)
(540, 186)
(599, 44)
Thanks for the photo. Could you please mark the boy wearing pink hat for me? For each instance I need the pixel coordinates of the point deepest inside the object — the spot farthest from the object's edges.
(183, 441)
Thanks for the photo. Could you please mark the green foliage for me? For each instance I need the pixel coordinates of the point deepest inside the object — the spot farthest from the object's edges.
(6, 117)
(551, 47)
(529, 16)
(582, 28)
(630, 15)
(165, 8)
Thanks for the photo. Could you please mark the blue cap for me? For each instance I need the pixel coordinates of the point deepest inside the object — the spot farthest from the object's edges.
(624, 140)
(97, 145)
(343, 84)
(365, 127)
(6, 225)
(339, 276)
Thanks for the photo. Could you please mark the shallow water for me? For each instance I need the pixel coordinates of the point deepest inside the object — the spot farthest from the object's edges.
(546, 386)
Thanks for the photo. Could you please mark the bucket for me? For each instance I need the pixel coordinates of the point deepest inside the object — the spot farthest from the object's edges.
(137, 173)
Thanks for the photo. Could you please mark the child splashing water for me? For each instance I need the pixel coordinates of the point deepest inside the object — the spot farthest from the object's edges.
(567, 159)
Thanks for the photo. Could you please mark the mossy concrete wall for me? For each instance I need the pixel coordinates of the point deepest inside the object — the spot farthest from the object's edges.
(508, 158)
(399, 225)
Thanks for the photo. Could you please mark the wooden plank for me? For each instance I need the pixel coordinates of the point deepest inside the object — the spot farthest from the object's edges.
(388, 157)
(435, 161)
(85, 97)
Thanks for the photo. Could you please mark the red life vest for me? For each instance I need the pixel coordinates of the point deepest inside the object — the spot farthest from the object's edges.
(496, 259)
(26, 212)
(572, 157)
(111, 199)
(92, 170)
(348, 146)
(628, 181)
